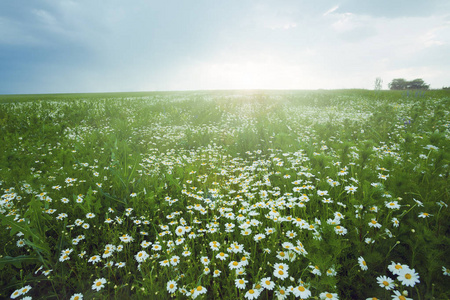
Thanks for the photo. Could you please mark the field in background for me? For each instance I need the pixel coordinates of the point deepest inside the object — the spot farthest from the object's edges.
(227, 194)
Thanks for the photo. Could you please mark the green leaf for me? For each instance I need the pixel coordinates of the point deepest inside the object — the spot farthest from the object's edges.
(35, 216)
(17, 261)
(38, 241)
(38, 246)
(18, 226)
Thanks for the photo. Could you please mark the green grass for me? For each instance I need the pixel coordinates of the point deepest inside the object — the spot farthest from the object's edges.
(327, 171)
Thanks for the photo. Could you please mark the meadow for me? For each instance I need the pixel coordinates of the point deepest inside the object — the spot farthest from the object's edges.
(225, 195)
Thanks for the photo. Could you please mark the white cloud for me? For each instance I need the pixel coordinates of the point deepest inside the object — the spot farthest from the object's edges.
(345, 22)
(437, 36)
(331, 10)
(45, 17)
(281, 25)
(279, 16)
(13, 33)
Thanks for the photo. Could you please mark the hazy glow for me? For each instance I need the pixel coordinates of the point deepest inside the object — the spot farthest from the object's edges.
(259, 73)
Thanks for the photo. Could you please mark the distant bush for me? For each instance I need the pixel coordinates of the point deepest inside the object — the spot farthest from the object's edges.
(402, 84)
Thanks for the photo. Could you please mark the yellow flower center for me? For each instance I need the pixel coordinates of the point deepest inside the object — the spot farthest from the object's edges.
(251, 291)
(171, 286)
(199, 288)
(329, 296)
(301, 289)
(408, 276)
(385, 283)
(98, 283)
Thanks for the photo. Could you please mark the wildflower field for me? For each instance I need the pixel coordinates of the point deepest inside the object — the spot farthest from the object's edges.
(225, 195)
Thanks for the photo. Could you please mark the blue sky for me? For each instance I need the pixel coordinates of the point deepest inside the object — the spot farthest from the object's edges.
(61, 46)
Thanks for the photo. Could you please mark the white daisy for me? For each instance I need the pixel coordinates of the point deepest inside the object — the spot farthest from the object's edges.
(408, 277)
(99, 284)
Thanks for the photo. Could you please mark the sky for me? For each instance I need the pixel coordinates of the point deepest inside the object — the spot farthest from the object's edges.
(65, 46)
